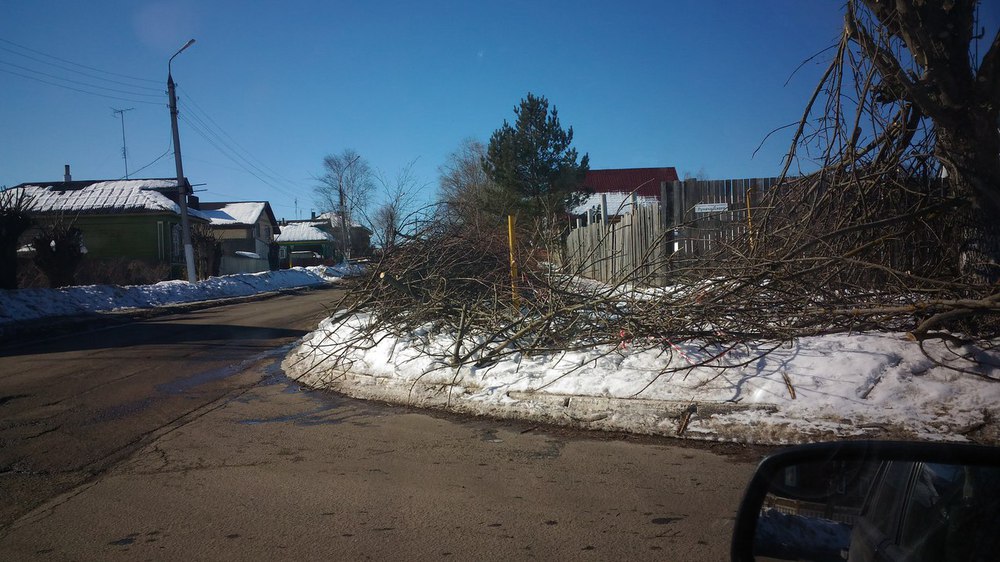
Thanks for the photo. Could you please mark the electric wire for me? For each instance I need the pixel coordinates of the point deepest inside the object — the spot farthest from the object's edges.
(29, 49)
(200, 121)
(257, 164)
(87, 74)
(108, 96)
(208, 129)
(82, 84)
(208, 138)
(169, 150)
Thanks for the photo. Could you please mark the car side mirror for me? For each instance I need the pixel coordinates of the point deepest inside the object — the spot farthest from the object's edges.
(872, 500)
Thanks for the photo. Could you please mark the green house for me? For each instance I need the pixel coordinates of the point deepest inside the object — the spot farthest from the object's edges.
(137, 219)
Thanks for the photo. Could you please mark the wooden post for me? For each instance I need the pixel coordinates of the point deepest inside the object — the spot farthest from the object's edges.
(749, 196)
(664, 234)
(512, 240)
(678, 214)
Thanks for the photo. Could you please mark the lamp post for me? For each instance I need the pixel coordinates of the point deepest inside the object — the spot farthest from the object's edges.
(181, 185)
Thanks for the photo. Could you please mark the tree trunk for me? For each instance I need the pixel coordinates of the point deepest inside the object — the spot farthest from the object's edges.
(969, 149)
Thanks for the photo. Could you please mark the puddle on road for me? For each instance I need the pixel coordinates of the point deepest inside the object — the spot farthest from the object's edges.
(326, 408)
(275, 376)
(174, 387)
(318, 416)
(180, 386)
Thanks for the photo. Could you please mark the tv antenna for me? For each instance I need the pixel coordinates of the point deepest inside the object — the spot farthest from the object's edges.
(121, 112)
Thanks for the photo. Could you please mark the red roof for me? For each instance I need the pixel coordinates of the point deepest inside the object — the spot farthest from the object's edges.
(644, 181)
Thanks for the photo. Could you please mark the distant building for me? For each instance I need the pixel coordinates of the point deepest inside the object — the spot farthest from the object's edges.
(317, 240)
(620, 186)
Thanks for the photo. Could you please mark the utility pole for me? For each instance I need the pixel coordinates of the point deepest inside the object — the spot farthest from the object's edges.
(181, 183)
(121, 112)
(345, 239)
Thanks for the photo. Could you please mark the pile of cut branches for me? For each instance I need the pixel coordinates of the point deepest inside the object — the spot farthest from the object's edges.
(874, 240)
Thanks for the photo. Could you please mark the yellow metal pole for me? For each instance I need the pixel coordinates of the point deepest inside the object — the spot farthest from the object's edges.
(512, 240)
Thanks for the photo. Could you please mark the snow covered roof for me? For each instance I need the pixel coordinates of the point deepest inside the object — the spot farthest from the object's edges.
(618, 203)
(326, 217)
(140, 196)
(303, 232)
(240, 213)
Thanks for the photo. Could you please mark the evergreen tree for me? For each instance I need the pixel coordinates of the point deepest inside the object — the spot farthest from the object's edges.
(533, 163)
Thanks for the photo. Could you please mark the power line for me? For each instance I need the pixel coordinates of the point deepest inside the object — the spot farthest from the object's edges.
(257, 164)
(214, 144)
(87, 74)
(29, 49)
(197, 109)
(79, 83)
(108, 96)
(169, 150)
(208, 130)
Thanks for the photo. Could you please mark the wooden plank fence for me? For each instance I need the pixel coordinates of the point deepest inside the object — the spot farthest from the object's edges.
(691, 219)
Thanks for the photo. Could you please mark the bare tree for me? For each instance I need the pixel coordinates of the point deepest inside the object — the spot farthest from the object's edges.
(923, 100)
(465, 191)
(345, 190)
(399, 199)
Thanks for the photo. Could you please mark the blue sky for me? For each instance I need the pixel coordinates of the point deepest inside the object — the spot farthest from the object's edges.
(275, 86)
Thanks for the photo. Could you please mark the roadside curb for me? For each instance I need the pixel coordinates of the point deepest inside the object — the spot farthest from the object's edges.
(678, 419)
(751, 424)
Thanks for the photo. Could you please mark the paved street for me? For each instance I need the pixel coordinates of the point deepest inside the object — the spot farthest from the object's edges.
(179, 438)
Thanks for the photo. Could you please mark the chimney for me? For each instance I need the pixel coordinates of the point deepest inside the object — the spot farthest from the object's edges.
(313, 213)
(66, 176)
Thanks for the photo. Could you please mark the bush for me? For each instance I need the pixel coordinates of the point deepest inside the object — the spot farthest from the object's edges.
(207, 252)
(58, 253)
(14, 221)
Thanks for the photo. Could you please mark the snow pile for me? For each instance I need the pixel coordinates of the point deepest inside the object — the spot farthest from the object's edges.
(34, 304)
(864, 385)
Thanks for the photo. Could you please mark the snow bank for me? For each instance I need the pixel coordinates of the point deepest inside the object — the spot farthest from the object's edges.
(34, 304)
(834, 386)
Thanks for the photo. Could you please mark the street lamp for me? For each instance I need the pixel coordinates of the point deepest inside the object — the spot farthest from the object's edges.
(181, 186)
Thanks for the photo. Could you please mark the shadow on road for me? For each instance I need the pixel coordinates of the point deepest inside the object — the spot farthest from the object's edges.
(150, 333)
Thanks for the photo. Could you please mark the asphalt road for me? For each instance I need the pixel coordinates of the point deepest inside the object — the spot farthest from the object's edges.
(178, 437)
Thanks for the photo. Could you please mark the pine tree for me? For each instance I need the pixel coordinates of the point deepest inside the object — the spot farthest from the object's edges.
(533, 163)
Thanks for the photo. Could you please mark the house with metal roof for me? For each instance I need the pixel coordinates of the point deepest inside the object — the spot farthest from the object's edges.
(623, 187)
(136, 219)
(305, 243)
(317, 239)
(246, 230)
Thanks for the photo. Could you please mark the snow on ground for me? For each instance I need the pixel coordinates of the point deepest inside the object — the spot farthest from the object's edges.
(833, 386)
(34, 304)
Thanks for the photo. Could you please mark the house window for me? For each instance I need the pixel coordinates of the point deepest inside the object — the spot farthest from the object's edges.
(161, 246)
(267, 233)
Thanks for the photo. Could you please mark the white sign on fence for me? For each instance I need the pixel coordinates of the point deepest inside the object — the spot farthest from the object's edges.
(711, 207)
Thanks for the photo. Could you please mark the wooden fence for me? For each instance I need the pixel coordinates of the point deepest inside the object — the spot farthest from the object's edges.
(691, 218)
(709, 212)
(610, 251)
